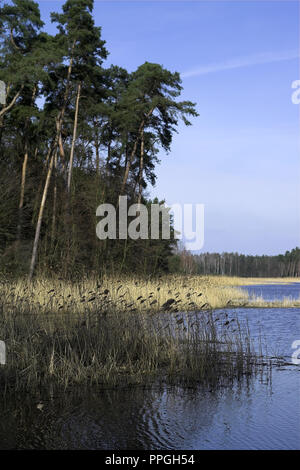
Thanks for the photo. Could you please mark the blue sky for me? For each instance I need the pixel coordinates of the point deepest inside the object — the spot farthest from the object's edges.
(240, 158)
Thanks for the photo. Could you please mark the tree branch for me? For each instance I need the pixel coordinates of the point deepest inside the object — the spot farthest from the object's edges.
(8, 107)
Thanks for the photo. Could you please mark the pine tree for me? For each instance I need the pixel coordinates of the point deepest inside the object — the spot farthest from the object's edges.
(150, 103)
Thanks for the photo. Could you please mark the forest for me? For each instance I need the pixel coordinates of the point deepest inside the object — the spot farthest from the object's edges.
(75, 134)
(235, 264)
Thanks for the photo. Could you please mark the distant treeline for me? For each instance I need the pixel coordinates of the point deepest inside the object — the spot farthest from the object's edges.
(235, 264)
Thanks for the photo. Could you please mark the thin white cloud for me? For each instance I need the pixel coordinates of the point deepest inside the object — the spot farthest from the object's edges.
(240, 62)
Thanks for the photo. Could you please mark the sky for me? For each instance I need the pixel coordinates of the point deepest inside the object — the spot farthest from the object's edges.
(240, 157)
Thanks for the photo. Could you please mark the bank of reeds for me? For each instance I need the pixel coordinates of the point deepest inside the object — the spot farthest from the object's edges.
(100, 332)
(132, 294)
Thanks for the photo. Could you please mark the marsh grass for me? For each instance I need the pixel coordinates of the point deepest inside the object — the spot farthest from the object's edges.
(111, 332)
(118, 349)
(132, 294)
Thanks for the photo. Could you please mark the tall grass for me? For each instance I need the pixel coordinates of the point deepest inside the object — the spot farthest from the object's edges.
(131, 294)
(99, 332)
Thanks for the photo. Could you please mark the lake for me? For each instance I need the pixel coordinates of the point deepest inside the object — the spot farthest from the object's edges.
(275, 291)
(259, 412)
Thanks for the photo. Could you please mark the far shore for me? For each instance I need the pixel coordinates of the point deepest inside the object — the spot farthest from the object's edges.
(246, 281)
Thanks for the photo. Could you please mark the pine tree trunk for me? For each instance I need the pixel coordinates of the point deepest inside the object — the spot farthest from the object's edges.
(24, 168)
(40, 218)
(22, 192)
(97, 154)
(62, 155)
(141, 167)
(68, 221)
(128, 166)
(37, 198)
(61, 114)
(131, 157)
(108, 157)
(73, 140)
(54, 201)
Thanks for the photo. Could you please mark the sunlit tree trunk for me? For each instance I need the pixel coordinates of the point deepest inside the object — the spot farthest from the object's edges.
(62, 155)
(40, 218)
(73, 139)
(22, 192)
(53, 224)
(38, 193)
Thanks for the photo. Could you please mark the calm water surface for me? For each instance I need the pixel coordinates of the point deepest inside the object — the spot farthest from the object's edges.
(275, 291)
(258, 413)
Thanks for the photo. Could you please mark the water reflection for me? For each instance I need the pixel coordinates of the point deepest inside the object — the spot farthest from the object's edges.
(258, 413)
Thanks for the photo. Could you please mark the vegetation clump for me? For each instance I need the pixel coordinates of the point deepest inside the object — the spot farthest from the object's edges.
(108, 332)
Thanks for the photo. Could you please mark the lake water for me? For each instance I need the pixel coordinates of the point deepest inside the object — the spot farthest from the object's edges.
(275, 291)
(262, 412)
